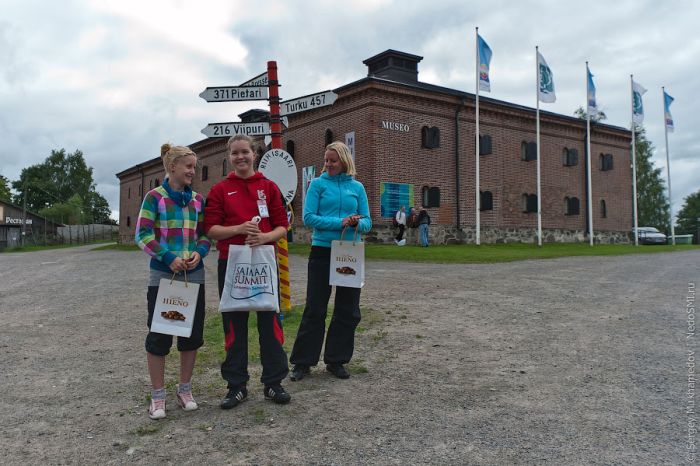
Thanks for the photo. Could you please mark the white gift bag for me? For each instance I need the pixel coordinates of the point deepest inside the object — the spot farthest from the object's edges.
(251, 280)
(175, 307)
(347, 262)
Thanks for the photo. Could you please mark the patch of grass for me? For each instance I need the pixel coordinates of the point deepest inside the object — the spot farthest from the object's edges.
(259, 415)
(148, 429)
(33, 248)
(355, 367)
(492, 253)
(117, 247)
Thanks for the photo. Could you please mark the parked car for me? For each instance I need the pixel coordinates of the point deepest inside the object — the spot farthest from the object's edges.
(650, 235)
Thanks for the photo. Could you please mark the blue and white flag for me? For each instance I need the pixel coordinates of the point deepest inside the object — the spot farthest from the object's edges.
(592, 107)
(668, 100)
(637, 106)
(545, 88)
(484, 62)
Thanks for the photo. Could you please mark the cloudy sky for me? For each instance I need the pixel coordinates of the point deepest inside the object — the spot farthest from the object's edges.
(116, 78)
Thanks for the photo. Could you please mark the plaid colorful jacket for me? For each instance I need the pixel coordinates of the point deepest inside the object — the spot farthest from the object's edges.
(166, 230)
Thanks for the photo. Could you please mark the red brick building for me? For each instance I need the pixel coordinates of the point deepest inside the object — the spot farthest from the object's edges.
(422, 137)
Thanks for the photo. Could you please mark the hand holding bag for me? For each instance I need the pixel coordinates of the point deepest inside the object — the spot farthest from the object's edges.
(176, 303)
(347, 262)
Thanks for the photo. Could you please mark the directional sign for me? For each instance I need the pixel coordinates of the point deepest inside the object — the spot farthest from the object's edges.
(259, 80)
(277, 165)
(225, 130)
(230, 94)
(310, 102)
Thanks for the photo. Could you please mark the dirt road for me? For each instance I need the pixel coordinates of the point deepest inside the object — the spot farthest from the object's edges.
(565, 361)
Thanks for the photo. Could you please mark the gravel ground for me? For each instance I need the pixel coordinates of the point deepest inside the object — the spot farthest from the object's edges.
(565, 361)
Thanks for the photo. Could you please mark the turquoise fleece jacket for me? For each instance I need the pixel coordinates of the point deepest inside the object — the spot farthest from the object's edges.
(328, 201)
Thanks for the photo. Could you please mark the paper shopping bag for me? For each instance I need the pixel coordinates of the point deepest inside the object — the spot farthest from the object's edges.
(175, 307)
(251, 280)
(347, 263)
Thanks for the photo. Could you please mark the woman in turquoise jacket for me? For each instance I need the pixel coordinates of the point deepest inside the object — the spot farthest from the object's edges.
(333, 201)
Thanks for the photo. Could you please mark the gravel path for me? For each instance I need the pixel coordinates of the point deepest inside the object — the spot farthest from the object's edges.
(565, 361)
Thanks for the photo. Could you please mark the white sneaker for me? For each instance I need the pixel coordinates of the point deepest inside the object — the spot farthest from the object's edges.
(157, 409)
(186, 400)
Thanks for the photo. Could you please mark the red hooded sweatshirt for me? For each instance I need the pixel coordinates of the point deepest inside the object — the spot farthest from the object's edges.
(235, 200)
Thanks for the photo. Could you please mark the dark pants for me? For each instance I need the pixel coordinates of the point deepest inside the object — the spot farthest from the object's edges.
(159, 343)
(399, 237)
(234, 369)
(340, 342)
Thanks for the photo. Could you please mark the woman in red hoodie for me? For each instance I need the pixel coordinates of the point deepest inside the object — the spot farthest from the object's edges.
(230, 208)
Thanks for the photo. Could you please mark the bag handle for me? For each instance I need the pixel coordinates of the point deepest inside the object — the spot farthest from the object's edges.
(357, 232)
(175, 273)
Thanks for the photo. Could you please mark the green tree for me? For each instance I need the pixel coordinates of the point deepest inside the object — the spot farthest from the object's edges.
(688, 218)
(653, 208)
(582, 114)
(69, 213)
(5, 194)
(56, 180)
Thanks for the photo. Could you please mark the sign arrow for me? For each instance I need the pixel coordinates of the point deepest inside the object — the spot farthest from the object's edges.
(309, 102)
(233, 93)
(259, 80)
(225, 130)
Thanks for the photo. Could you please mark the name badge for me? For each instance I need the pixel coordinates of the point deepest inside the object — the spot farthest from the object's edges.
(262, 209)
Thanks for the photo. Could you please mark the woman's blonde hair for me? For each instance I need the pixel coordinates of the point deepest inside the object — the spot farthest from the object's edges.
(171, 154)
(242, 137)
(344, 155)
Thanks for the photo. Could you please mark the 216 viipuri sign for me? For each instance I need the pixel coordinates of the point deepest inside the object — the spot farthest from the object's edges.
(225, 130)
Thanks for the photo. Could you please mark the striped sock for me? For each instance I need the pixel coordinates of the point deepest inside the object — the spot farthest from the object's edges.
(158, 394)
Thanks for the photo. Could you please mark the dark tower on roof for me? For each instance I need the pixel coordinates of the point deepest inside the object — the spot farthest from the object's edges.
(394, 65)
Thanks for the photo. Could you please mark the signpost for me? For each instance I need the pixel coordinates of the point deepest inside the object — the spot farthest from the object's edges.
(309, 102)
(232, 94)
(276, 164)
(226, 130)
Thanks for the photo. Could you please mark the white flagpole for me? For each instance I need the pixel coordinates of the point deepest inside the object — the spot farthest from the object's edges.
(476, 176)
(539, 197)
(588, 165)
(634, 164)
(668, 167)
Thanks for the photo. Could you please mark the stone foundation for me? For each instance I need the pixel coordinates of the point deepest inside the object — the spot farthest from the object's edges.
(444, 234)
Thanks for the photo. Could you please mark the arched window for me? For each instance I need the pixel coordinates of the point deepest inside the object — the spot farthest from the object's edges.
(157, 182)
(603, 209)
(528, 151)
(425, 191)
(290, 148)
(485, 144)
(205, 173)
(572, 206)
(430, 137)
(150, 184)
(529, 203)
(485, 200)
(224, 167)
(328, 136)
(128, 196)
(128, 221)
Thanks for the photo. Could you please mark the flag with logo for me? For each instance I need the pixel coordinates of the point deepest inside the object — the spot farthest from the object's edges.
(545, 89)
(668, 100)
(637, 106)
(484, 63)
(592, 107)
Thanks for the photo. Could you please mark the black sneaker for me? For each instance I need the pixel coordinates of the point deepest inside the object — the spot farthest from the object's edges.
(234, 397)
(298, 372)
(338, 370)
(277, 394)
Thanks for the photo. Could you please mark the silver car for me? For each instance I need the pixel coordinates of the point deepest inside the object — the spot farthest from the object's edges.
(650, 235)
